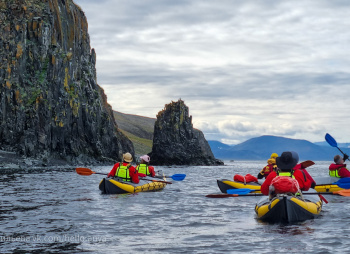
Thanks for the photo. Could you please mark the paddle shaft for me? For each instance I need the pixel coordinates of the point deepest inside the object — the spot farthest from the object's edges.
(87, 172)
(157, 181)
(224, 195)
(176, 177)
(341, 151)
(99, 173)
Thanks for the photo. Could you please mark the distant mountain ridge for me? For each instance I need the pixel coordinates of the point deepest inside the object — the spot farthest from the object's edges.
(260, 148)
(324, 143)
(140, 129)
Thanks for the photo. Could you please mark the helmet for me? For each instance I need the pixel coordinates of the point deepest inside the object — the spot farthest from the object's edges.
(274, 155)
(271, 161)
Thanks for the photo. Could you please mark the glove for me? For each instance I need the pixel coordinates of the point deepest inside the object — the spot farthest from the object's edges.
(345, 157)
(260, 176)
(313, 185)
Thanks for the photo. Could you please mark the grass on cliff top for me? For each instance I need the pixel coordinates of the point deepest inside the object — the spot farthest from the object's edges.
(138, 129)
(139, 126)
(141, 145)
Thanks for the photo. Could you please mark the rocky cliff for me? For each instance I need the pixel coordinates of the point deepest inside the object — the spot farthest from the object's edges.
(50, 103)
(176, 142)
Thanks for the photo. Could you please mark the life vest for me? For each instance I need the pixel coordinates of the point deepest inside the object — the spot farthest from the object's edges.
(334, 169)
(285, 182)
(268, 169)
(143, 168)
(290, 174)
(123, 172)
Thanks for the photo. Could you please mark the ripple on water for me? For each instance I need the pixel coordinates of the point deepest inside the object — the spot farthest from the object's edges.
(62, 212)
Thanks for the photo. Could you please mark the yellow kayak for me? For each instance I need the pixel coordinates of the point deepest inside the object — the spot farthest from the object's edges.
(118, 186)
(288, 208)
(323, 184)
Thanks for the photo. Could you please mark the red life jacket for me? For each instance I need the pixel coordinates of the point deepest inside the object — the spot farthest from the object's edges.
(334, 169)
(248, 178)
(285, 183)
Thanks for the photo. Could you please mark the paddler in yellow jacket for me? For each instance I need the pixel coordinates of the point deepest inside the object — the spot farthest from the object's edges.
(271, 166)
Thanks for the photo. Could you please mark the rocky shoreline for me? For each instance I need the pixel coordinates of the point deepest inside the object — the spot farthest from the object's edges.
(11, 160)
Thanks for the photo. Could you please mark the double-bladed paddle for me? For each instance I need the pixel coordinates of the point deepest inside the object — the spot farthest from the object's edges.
(87, 172)
(331, 141)
(177, 177)
(345, 193)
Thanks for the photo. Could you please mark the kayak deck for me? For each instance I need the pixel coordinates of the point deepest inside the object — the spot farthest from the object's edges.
(324, 184)
(287, 208)
(118, 186)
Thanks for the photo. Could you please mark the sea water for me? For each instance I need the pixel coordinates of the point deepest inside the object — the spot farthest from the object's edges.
(59, 211)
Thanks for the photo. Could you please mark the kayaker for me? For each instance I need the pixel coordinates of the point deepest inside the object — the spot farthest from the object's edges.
(300, 166)
(271, 166)
(143, 168)
(124, 170)
(339, 168)
(285, 163)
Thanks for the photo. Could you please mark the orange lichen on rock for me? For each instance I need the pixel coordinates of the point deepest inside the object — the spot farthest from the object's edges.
(9, 70)
(19, 50)
(18, 96)
(8, 84)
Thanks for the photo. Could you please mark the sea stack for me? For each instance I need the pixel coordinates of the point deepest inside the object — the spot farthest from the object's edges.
(176, 142)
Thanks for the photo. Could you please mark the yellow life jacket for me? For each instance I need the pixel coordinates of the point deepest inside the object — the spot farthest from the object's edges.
(334, 173)
(143, 169)
(290, 174)
(123, 172)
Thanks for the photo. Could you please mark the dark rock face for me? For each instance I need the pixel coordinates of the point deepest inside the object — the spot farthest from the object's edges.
(50, 103)
(175, 142)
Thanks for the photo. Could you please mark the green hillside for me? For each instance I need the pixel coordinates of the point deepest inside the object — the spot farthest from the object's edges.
(138, 129)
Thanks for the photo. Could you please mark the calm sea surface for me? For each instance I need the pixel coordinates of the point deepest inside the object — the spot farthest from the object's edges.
(44, 211)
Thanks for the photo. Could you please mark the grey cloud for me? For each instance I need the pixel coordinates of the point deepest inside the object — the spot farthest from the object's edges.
(253, 61)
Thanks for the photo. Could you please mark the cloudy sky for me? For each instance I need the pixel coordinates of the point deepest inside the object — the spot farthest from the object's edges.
(245, 68)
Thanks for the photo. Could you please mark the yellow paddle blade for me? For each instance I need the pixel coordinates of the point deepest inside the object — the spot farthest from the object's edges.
(84, 171)
(345, 193)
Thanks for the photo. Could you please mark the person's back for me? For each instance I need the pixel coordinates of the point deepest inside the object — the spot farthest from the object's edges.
(124, 170)
(308, 176)
(271, 166)
(143, 168)
(285, 163)
(338, 169)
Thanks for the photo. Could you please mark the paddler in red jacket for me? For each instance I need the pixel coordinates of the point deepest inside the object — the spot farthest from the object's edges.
(285, 163)
(339, 168)
(271, 166)
(124, 170)
(303, 169)
(144, 169)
